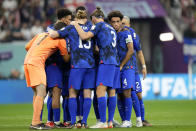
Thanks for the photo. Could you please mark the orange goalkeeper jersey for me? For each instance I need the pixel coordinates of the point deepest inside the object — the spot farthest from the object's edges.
(41, 47)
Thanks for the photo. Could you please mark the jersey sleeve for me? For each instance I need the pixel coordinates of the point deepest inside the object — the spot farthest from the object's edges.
(62, 47)
(95, 28)
(128, 37)
(64, 31)
(29, 44)
(137, 45)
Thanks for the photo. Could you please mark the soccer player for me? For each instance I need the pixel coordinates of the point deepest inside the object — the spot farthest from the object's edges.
(82, 73)
(137, 47)
(39, 49)
(80, 96)
(108, 70)
(54, 74)
(125, 52)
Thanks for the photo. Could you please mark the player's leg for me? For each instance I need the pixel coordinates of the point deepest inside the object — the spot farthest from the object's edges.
(95, 106)
(136, 103)
(37, 107)
(75, 81)
(65, 95)
(142, 109)
(120, 105)
(88, 85)
(56, 93)
(50, 122)
(80, 101)
(128, 82)
(105, 78)
(111, 106)
(141, 104)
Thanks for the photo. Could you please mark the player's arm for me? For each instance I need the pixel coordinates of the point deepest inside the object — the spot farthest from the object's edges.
(130, 51)
(140, 56)
(142, 61)
(83, 35)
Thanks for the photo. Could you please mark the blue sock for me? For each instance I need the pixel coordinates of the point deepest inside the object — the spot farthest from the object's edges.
(86, 109)
(111, 108)
(102, 108)
(49, 107)
(142, 109)
(65, 110)
(136, 103)
(128, 108)
(73, 109)
(56, 112)
(121, 109)
(81, 100)
(78, 105)
(95, 106)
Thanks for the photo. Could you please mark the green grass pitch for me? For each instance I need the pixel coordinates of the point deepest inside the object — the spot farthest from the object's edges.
(164, 115)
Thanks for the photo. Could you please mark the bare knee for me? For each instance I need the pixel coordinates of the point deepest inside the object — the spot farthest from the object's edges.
(41, 90)
(100, 91)
(111, 92)
(72, 93)
(127, 93)
(87, 93)
(139, 95)
(56, 93)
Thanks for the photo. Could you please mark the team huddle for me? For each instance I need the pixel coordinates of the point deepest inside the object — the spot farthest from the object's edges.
(73, 58)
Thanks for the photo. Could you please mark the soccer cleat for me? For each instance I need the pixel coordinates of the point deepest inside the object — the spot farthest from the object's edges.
(61, 125)
(116, 123)
(100, 125)
(50, 124)
(66, 124)
(146, 123)
(139, 123)
(79, 124)
(84, 126)
(110, 124)
(41, 126)
(126, 124)
(71, 126)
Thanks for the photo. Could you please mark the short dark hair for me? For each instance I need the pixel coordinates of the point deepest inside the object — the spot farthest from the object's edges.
(80, 8)
(98, 13)
(63, 12)
(115, 13)
(59, 25)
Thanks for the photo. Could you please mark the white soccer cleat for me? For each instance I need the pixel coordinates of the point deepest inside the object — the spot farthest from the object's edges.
(116, 123)
(139, 123)
(100, 125)
(126, 124)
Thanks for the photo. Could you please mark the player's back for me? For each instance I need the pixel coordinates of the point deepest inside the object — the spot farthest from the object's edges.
(40, 48)
(106, 41)
(81, 50)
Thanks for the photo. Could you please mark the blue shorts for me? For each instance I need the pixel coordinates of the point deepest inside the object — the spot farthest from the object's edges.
(138, 84)
(108, 75)
(53, 76)
(82, 78)
(127, 80)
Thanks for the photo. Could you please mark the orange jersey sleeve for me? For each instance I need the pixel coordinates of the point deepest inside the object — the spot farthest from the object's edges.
(62, 47)
(29, 44)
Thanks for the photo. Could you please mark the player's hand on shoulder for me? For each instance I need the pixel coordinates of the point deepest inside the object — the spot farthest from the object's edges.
(73, 23)
(53, 33)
